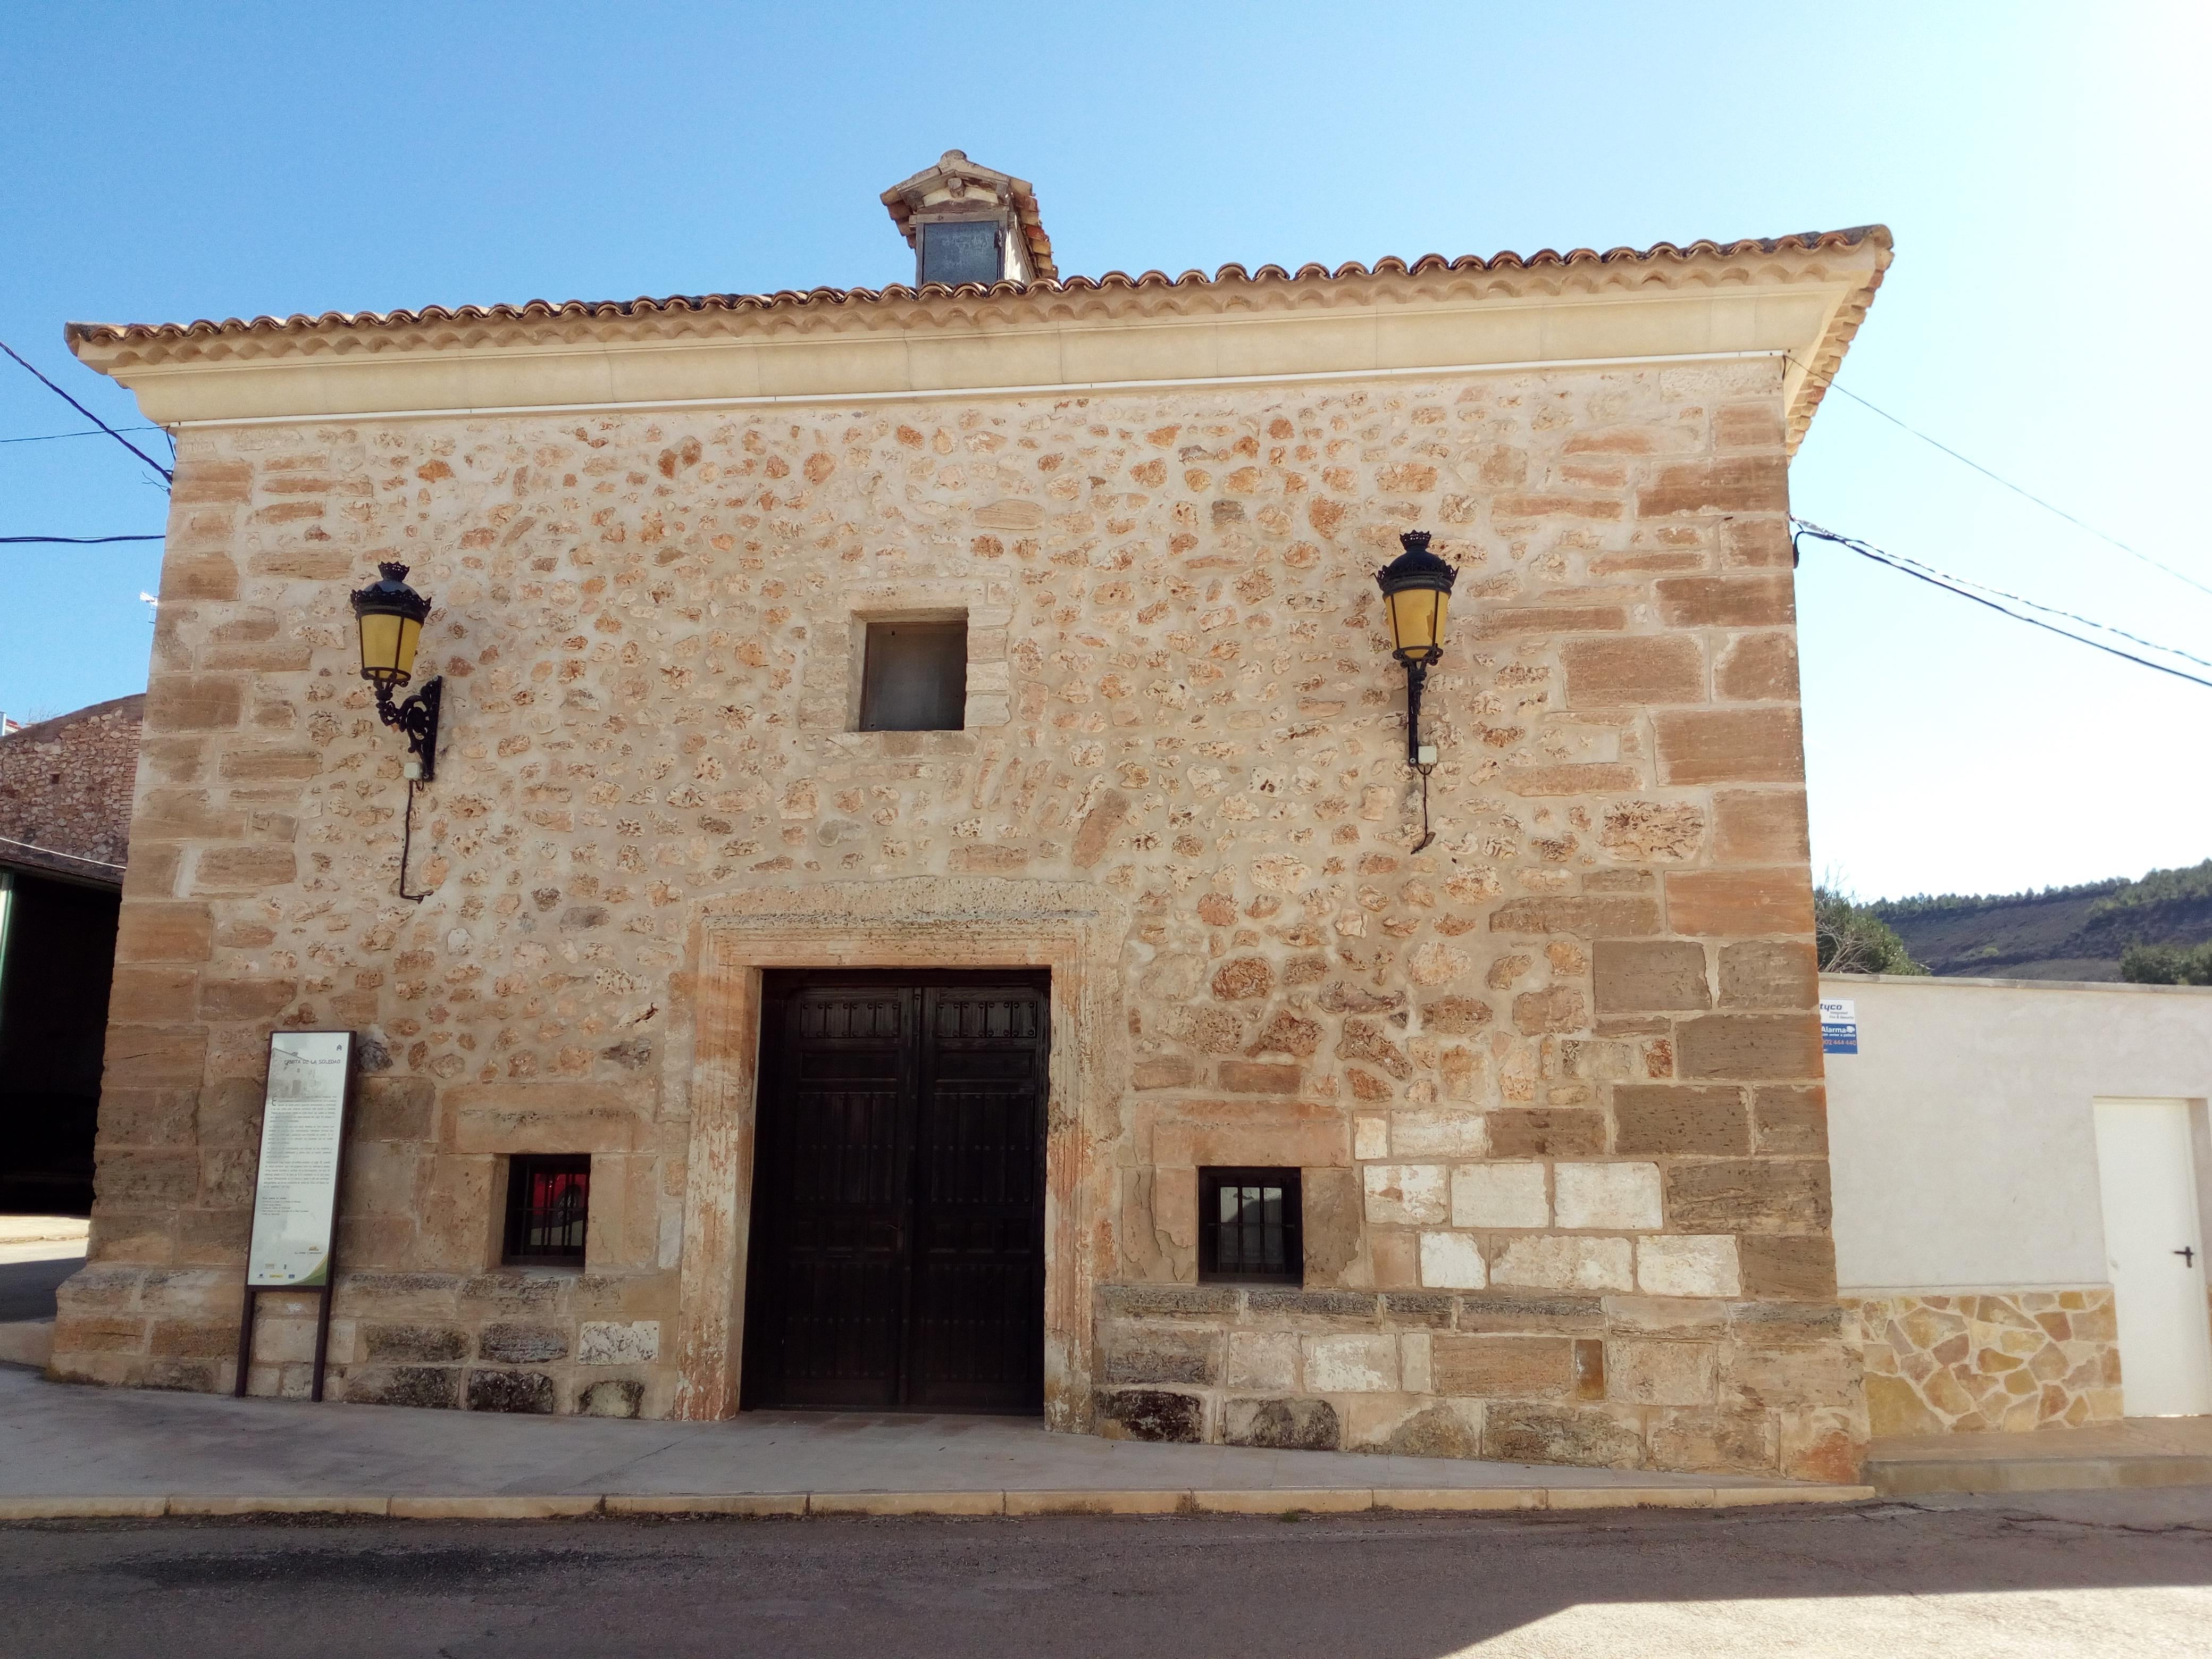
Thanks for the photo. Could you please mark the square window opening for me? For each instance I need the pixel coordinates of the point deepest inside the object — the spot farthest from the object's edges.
(1251, 1229)
(548, 1205)
(913, 677)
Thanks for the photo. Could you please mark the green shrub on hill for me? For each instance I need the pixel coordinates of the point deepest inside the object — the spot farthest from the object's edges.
(2166, 965)
(1852, 939)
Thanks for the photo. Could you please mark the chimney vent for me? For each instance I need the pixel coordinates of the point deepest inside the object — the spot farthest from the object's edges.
(967, 224)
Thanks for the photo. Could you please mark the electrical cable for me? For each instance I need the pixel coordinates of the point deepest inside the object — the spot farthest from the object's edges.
(1829, 382)
(56, 853)
(73, 541)
(2016, 598)
(407, 844)
(97, 432)
(1953, 584)
(168, 477)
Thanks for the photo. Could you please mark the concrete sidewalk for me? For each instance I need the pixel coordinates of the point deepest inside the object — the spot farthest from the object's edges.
(67, 1451)
(2138, 1451)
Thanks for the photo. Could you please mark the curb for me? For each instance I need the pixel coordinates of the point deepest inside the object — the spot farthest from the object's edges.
(1329, 1500)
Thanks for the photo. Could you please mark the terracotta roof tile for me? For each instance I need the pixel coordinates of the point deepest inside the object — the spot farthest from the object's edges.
(798, 299)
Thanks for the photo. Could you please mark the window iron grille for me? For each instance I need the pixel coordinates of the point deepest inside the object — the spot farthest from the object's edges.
(548, 1205)
(1250, 1229)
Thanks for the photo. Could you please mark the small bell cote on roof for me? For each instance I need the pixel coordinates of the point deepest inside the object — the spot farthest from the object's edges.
(967, 224)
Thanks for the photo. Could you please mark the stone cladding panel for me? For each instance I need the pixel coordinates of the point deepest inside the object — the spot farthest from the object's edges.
(2014, 1360)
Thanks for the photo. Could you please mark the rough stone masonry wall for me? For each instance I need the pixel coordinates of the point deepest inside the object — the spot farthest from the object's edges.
(1554, 1082)
(65, 787)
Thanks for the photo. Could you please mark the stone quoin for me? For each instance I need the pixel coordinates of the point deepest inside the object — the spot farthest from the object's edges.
(1552, 1084)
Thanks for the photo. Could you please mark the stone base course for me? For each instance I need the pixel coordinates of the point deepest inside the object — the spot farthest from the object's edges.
(1599, 1381)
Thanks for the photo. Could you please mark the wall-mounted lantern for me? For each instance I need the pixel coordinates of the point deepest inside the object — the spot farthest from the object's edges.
(390, 615)
(1417, 588)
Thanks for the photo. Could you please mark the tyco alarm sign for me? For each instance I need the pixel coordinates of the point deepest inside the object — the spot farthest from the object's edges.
(1839, 1027)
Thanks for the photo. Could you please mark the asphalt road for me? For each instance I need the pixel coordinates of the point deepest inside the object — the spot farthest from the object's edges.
(2091, 1573)
(27, 1287)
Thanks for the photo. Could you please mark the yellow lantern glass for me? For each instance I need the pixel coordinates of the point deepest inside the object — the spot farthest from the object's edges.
(387, 647)
(1417, 588)
(1418, 618)
(390, 615)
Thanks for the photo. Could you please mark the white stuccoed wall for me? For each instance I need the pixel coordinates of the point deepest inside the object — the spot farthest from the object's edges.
(1962, 1136)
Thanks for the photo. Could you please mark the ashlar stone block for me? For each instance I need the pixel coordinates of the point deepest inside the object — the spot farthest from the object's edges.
(1645, 1373)
(1351, 1365)
(1694, 1265)
(1500, 1195)
(1557, 1263)
(1266, 1360)
(1438, 1134)
(1405, 1195)
(1452, 1261)
(604, 1342)
(1622, 1197)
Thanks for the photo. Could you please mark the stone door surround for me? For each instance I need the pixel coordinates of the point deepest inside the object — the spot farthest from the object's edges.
(1073, 929)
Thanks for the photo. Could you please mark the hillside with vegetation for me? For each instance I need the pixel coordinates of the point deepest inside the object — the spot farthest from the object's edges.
(2157, 929)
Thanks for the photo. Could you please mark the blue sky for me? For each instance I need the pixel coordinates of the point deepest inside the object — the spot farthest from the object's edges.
(2042, 167)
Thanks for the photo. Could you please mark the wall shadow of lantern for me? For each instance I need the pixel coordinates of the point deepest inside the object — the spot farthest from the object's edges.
(1417, 589)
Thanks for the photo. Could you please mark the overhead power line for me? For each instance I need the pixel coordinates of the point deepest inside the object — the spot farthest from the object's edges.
(1982, 596)
(1829, 382)
(2018, 599)
(168, 476)
(93, 432)
(72, 541)
(56, 853)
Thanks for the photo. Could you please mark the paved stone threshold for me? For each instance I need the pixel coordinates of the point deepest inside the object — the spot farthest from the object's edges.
(76, 1451)
(2139, 1451)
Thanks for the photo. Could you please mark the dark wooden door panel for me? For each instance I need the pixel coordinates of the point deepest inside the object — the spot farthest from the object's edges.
(978, 1342)
(898, 1234)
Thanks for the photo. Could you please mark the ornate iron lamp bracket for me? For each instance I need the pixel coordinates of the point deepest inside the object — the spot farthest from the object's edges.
(418, 718)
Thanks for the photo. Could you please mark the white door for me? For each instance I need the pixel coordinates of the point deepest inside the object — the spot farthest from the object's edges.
(2156, 1252)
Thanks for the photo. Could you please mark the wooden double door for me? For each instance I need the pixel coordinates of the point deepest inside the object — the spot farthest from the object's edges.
(897, 1252)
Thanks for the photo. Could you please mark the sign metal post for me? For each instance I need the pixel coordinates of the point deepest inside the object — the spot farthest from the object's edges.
(296, 1191)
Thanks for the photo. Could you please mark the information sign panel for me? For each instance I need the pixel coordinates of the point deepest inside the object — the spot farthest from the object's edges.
(1839, 1026)
(302, 1130)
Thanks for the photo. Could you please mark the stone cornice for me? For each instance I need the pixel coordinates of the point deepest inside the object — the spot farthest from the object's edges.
(1800, 296)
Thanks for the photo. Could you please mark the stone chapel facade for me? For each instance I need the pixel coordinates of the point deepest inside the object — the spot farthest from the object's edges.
(1551, 1085)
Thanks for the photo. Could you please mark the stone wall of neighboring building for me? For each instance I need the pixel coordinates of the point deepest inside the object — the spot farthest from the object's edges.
(1553, 1082)
(65, 789)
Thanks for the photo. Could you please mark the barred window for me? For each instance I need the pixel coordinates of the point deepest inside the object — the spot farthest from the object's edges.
(1249, 1228)
(548, 1201)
